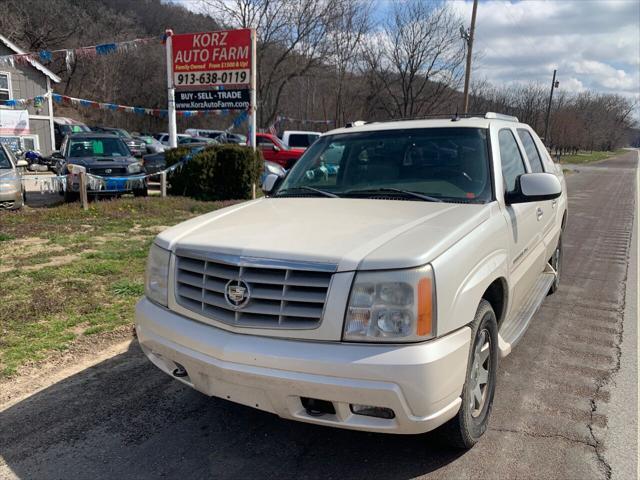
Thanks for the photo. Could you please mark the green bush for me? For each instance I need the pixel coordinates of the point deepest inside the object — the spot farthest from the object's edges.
(219, 172)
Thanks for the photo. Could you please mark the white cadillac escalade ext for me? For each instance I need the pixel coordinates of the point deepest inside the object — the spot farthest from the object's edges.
(377, 284)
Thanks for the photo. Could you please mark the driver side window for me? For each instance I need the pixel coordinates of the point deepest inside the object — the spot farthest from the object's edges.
(265, 143)
(511, 159)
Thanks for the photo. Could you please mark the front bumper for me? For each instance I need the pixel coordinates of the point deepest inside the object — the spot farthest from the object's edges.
(10, 200)
(421, 383)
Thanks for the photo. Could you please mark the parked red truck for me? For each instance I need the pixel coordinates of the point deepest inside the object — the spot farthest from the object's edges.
(273, 150)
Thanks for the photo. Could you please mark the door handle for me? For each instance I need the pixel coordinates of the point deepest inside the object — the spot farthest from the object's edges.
(554, 203)
(539, 213)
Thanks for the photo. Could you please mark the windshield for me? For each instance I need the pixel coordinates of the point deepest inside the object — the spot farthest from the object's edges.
(302, 139)
(446, 164)
(4, 160)
(98, 147)
(120, 132)
(74, 129)
(266, 142)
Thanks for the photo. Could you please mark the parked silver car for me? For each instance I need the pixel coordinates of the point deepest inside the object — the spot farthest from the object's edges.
(12, 196)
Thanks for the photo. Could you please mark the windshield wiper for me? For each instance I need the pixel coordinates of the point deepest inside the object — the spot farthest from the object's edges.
(311, 189)
(408, 193)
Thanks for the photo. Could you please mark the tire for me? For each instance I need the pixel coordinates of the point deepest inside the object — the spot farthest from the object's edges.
(556, 262)
(71, 196)
(140, 192)
(467, 427)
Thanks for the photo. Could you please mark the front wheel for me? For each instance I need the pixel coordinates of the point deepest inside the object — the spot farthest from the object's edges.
(140, 192)
(466, 428)
(70, 196)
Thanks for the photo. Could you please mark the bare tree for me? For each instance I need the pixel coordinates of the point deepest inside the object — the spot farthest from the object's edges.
(353, 23)
(415, 60)
(292, 39)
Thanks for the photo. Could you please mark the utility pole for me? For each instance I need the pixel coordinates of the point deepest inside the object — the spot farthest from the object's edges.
(554, 84)
(467, 36)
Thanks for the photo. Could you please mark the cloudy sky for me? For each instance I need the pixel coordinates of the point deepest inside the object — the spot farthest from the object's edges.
(594, 44)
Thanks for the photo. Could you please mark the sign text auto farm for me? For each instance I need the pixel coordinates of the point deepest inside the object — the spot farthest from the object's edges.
(212, 58)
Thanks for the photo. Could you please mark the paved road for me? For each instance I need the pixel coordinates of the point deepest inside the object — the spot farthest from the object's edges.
(124, 419)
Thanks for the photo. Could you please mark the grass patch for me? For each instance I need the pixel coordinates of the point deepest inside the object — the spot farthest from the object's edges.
(588, 157)
(46, 309)
(127, 288)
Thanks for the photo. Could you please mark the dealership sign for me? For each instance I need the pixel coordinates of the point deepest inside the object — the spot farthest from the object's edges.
(213, 100)
(14, 122)
(210, 59)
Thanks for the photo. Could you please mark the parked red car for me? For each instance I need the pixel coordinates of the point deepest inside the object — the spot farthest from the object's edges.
(273, 150)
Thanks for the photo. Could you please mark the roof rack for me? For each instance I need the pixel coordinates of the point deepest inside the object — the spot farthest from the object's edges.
(500, 116)
(434, 116)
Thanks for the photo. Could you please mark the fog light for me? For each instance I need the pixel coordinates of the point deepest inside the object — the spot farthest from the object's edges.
(371, 411)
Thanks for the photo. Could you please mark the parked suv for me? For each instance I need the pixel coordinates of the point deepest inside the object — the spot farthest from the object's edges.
(378, 294)
(102, 155)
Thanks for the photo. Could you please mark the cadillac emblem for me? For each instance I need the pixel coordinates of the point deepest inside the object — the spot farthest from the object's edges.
(237, 293)
(108, 170)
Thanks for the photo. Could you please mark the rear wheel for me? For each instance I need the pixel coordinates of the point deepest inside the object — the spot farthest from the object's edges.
(556, 263)
(466, 428)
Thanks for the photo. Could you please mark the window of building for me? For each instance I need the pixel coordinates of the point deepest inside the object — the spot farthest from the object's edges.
(5, 86)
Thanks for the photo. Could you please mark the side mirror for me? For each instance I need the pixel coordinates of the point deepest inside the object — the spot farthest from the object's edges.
(269, 183)
(56, 154)
(276, 148)
(534, 187)
(22, 164)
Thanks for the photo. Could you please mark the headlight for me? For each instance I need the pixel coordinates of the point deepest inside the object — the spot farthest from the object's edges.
(157, 275)
(391, 306)
(8, 187)
(134, 167)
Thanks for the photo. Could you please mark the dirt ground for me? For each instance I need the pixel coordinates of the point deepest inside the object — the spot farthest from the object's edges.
(104, 411)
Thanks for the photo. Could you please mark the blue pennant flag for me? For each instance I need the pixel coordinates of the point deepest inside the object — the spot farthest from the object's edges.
(138, 111)
(45, 56)
(240, 119)
(10, 103)
(56, 97)
(106, 48)
(85, 103)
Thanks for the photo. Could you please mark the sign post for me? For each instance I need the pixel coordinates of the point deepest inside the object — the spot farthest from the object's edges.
(171, 105)
(253, 101)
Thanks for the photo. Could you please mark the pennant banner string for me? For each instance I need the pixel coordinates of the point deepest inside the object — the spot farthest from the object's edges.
(46, 56)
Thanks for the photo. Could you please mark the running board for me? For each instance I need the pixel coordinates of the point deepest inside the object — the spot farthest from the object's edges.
(512, 331)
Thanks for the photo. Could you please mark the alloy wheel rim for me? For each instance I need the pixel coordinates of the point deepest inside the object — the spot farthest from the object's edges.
(480, 370)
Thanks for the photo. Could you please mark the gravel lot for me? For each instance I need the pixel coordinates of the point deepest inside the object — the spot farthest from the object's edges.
(557, 393)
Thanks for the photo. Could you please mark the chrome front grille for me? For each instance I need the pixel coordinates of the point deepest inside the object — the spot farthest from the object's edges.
(286, 295)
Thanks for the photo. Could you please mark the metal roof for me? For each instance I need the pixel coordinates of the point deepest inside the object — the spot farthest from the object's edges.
(37, 65)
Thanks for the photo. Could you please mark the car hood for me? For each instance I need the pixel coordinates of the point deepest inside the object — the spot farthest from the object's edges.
(354, 234)
(8, 175)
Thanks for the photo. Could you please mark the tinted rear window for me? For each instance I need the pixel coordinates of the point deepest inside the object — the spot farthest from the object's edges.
(302, 140)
